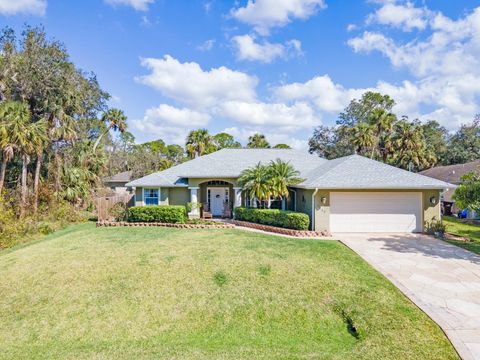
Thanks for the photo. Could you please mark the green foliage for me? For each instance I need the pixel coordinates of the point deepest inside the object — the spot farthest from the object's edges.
(118, 211)
(282, 146)
(467, 194)
(368, 128)
(223, 140)
(436, 227)
(274, 217)
(272, 180)
(257, 141)
(220, 278)
(199, 142)
(174, 214)
(464, 145)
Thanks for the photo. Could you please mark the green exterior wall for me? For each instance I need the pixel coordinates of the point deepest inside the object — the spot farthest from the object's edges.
(179, 196)
(304, 202)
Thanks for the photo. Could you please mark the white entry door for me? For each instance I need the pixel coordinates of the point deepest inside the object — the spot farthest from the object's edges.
(376, 212)
(217, 198)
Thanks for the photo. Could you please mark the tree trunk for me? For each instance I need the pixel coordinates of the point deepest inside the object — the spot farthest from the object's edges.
(36, 180)
(2, 172)
(100, 138)
(23, 205)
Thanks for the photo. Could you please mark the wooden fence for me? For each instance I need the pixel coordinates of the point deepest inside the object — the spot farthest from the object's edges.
(105, 203)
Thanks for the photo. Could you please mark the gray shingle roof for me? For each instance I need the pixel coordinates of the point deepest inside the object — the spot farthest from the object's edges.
(120, 177)
(228, 163)
(350, 172)
(358, 172)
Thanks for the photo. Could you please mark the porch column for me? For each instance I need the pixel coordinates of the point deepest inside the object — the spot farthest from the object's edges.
(238, 196)
(194, 201)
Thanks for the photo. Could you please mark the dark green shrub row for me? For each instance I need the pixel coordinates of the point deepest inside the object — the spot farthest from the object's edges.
(280, 218)
(174, 214)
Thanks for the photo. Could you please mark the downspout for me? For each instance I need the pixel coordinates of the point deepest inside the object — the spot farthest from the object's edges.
(313, 209)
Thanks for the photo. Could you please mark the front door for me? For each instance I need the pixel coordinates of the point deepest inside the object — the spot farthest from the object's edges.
(217, 198)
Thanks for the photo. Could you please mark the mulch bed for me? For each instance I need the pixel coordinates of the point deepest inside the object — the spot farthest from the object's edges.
(453, 237)
(157, 224)
(279, 230)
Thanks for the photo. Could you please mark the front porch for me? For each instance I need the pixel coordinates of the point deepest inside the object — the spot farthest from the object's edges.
(214, 198)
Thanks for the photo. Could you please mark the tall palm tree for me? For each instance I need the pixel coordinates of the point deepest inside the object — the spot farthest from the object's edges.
(24, 138)
(6, 139)
(283, 175)
(364, 139)
(199, 142)
(256, 182)
(116, 120)
(383, 123)
(39, 137)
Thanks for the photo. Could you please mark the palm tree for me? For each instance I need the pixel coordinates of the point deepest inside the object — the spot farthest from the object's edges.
(24, 137)
(282, 176)
(6, 140)
(256, 182)
(364, 139)
(410, 146)
(257, 141)
(38, 133)
(199, 142)
(116, 120)
(383, 123)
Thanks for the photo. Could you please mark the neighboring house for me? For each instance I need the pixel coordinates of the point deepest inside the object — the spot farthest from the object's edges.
(452, 174)
(118, 182)
(348, 194)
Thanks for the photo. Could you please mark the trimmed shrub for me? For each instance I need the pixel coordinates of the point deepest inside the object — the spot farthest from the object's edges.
(174, 214)
(281, 218)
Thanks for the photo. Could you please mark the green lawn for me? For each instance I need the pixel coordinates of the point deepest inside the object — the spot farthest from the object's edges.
(472, 232)
(152, 293)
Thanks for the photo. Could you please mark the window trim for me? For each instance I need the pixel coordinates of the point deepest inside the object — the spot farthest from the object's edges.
(145, 197)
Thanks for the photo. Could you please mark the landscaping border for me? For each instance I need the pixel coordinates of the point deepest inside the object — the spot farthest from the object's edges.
(158, 224)
(279, 230)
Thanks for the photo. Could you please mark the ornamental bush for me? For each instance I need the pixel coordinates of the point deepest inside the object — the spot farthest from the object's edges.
(281, 218)
(174, 214)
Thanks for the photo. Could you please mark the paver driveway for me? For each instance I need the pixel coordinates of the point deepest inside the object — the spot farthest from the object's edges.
(442, 279)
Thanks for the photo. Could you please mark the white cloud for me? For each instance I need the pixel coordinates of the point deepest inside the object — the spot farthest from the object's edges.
(13, 7)
(170, 123)
(404, 16)
(266, 14)
(321, 90)
(207, 45)
(248, 49)
(299, 115)
(189, 84)
(139, 5)
(445, 64)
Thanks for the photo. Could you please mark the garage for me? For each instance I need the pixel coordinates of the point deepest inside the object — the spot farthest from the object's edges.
(379, 212)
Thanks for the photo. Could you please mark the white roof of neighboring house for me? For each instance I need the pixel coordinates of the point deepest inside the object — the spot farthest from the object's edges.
(350, 172)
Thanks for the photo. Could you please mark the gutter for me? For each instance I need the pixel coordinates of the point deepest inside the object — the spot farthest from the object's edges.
(313, 209)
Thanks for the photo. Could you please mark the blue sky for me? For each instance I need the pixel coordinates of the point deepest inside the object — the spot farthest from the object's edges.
(279, 67)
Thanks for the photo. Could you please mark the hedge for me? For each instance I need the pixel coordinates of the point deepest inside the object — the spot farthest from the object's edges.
(281, 218)
(174, 214)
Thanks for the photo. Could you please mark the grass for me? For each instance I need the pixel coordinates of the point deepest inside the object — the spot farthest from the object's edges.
(150, 293)
(459, 228)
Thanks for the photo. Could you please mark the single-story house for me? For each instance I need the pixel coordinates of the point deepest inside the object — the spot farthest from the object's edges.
(118, 182)
(452, 174)
(348, 194)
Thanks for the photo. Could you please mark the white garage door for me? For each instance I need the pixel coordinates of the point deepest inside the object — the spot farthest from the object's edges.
(375, 212)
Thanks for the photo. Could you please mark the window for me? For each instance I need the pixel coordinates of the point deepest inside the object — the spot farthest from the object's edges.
(209, 197)
(227, 197)
(217, 182)
(151, 196)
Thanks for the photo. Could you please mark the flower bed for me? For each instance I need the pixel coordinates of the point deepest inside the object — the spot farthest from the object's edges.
(171, 225)
(279, 230)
